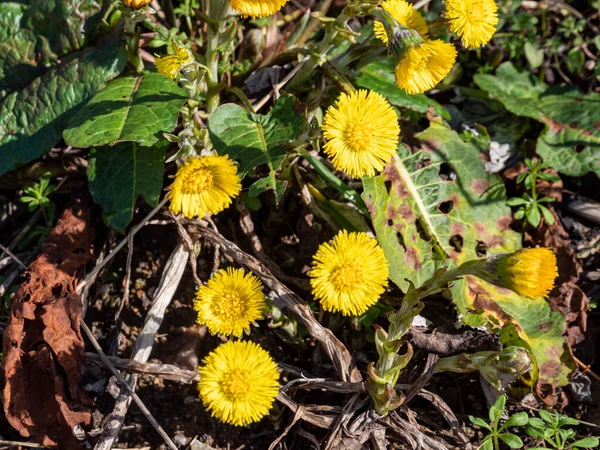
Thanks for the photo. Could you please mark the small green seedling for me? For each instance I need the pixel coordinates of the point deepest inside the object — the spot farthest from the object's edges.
(530, 206)
(498, 433)
(551, 428)
(36, 196)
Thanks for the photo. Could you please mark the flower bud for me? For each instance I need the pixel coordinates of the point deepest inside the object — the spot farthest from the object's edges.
(136, 4)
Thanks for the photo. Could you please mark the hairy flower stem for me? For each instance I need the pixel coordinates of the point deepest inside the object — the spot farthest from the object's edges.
(217, 9)
(132, 38)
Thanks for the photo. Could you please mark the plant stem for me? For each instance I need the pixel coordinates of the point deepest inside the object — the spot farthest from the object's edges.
(349, 194)
(132, 38)
(216, 12)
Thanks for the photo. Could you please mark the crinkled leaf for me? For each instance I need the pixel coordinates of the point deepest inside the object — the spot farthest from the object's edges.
(379, 76)
(571, 140)
(255, 139)
(32, 120)
(118, 175)
(439, 202)
(136, 108)
(34, 33)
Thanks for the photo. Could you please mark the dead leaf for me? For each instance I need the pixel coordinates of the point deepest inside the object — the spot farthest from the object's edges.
(43, 346)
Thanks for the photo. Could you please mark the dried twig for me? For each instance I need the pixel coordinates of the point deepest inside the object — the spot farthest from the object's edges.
(127, 281)
(90, 276)
(121, 380)
(169, 282)
(338, 353)
(13, 256)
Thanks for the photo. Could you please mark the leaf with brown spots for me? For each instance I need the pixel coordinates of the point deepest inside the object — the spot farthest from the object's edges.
(571, 140)
(439, 204)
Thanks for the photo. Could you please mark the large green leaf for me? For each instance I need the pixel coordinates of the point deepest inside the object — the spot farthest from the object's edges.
(119, 175)
(571, 139)
(136, 108)
(32, 120)
(256, 139)
(36, 32)
(379, 76)
(440, 203)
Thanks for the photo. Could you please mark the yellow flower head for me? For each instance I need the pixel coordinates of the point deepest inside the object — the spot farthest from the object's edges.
(171, 65)
(230, 302)
(238, 382)
(257, 8)
(529, 272)
(425, 66)
(473, 20)
(204, 185)
(405, 14)
(349, 274)
(362, 133)
(136, 4)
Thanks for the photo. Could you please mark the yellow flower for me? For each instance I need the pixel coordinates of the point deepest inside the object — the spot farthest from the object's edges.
(136, 4)
(529, 272)
(349, 274)
(238, 382)
(230, 302)
(257, 8)
(425, 66)
(473, 20)
(204, 185)
(405, 14)
(362, 133)
(171, 65)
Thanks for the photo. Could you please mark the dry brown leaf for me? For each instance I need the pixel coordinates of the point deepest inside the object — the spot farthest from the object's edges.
(43, 346)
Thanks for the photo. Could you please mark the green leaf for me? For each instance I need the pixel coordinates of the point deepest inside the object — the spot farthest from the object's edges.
(487, 444)
(34, 33)
(511, 440)
(136, 108)
(438, 203)
(118, 175)
(379, 77)
(575, 61)
(32, 120)
(497, 408)
(516, 420)
(534, 54)
(533, 215)
(588, 442)
(479, 422)
(546, 416)
(256, 139)
(570, 141)
(535, 431)
(516, 201)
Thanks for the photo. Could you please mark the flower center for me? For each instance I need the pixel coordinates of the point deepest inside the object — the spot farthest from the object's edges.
(347, 276)
(230, 306)
(198, 181)
(236, 385)
(358, 136)
(476, 13)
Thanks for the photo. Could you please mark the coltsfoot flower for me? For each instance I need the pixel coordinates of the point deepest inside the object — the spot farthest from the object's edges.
(203, 186)
(362, 133)
(238, 382)
(529, 272)
(423, 67)
(230, 302)
(171, 65)
(405, 14)
(473, 20)
(349, 274)
(257, 8)
(136, 4)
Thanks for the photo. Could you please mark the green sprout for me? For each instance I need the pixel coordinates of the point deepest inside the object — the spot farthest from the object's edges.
(551, 428)
(531, 206)
(498, 433)
(36, 197)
